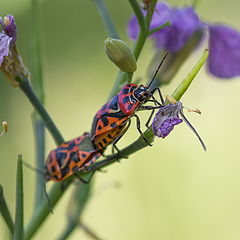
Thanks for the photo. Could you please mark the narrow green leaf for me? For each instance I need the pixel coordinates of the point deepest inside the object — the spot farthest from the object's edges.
(18, 231)
(5, 211)
(184, 85)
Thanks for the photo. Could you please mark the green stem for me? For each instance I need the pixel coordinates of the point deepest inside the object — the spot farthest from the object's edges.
(18, 230)
(5, 211)
(43, 210)
(138, 46)
(37, 76)
(138, 12)
(159, 28)
(52, 128)
(140, 143)
(39, 134)
(78, 202)
(108, 23)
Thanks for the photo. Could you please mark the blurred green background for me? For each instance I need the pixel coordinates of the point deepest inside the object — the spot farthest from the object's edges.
(173, 190)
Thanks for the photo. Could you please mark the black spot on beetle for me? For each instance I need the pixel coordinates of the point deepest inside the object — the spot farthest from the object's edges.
(99, 127)
(125, 91)
(113, 125)
(105, 121)
(105, 141)
(126, 99)
(130, 106)
(83, 155)
(75, 169)
(109, 136)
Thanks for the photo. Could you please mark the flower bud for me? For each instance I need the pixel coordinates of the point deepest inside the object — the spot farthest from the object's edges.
(121, 54)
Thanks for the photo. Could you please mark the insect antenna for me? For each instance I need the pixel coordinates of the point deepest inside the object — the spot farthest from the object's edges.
(159, 66)
(42, 172)
(194, 130)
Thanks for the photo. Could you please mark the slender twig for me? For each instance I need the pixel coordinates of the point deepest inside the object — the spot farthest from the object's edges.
(37, 76)
(140, 143)
(137, 48)
(5, 211)
(52, 128)
(18, 230)
(105, 16)
(159, 28)
(139, 14)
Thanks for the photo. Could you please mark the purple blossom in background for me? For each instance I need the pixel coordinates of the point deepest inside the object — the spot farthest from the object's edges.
(166, 118)
(224, 41)
(8, 36)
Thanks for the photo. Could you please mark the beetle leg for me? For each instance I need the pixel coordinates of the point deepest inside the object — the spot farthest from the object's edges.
(150, 118)
(160, 94)
(139, 129)
(114, 146)
(83, 180)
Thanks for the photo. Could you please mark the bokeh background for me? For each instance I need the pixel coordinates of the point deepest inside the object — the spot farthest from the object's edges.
(173, 190)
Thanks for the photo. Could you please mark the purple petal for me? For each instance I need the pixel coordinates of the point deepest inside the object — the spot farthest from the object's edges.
(5, 41)
(224, 51)
(166, 118)
(159, 13)
(184, 22)
(9, 27)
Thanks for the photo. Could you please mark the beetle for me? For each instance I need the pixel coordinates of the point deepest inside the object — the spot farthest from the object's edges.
(70, 157)
(114, 118)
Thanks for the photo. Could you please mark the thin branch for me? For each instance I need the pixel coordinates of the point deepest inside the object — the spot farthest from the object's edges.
(52, 128)
(139, 14)
(105, 16)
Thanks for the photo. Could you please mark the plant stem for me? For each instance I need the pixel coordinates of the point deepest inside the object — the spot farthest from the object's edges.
(138, 46)
(37, 76)
(39, 134)
(107, 21)
(18, 230)
(148, 134)
(43, 210)
(52, 128)
(138, 12)
(159, 28)
(5, 211)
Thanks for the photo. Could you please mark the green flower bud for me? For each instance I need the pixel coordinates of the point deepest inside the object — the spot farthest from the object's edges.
(121, 54)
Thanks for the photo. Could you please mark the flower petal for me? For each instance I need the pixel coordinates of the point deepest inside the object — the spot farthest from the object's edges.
(184, 22)
(166, 118)
(224, 51)
(9, 27)
(5, 41)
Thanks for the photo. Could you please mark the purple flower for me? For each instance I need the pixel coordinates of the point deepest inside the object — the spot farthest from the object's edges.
(224, 41)
(224, 54)
(166, 118)
(5, 41)
(9, 27)
(10, 61)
